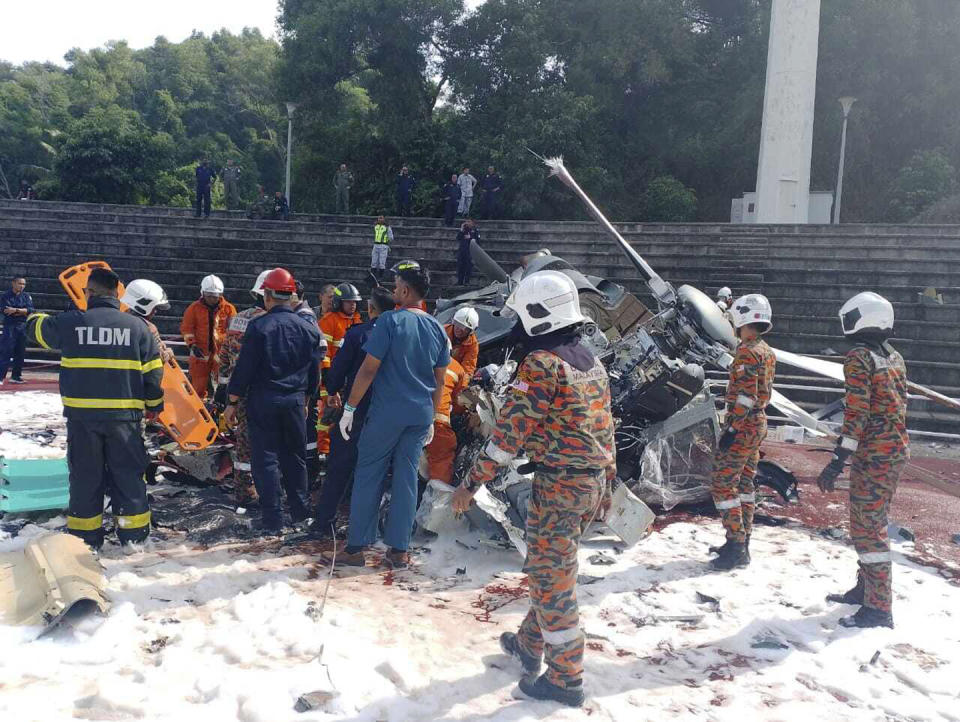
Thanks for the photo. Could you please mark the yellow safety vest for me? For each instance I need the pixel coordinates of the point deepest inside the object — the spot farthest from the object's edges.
(381, 234)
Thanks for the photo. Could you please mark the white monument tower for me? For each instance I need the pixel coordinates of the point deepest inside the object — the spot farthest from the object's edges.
(786, 137)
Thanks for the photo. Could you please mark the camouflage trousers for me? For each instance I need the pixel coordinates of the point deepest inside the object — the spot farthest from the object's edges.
(733, 471)
(243, 487)
(561, 503)
(872, 486)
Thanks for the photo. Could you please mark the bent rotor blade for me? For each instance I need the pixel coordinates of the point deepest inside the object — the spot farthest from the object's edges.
(834, 370)
(797, 414)
(660, 288)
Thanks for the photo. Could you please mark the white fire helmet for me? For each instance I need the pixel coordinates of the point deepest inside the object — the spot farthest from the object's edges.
(545, 301)
(212, 285)
(725, 294)
(866, 311)
(144, 297)
(752, 308)
(467, 318)
(257, 289)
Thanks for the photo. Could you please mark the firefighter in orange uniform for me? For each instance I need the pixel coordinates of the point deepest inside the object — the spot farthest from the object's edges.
(333, 326)
(204, 328)
(442, 450)
(463, 339)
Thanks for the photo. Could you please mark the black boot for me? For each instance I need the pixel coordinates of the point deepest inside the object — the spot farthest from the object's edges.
(735, 557)
(543, 689)
(851, 596)
(867, 617)
(722, 549)
(510, 645)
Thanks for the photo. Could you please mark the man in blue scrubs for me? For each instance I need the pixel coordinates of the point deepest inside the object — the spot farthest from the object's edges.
(407, 356)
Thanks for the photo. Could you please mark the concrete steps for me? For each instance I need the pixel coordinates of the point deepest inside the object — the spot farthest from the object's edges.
(806, 271)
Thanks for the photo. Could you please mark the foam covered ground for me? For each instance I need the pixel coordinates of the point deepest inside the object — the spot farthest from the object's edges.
(237, 633)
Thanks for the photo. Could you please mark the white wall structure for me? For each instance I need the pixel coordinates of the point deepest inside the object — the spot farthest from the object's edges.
(786, 138)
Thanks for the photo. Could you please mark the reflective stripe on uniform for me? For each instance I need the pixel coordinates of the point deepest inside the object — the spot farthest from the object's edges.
(133, 521)
(847, 443)
(874, 557)
(68, 362)
(746, 401)
(727, 504)
(311, 445)
(562, 637)
(38, 332)
(497, 454)
(90, 523)
(242, 465)
(452, 374)
(223, 379)
(748, 498)
(153, 402)
(443, 418)
(75, 403)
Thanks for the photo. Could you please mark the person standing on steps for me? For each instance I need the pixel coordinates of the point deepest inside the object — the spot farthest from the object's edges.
(15, 305)
(558, 415)
(492, 186)
(205, 176)
(450, 195)
(382, 238)
(342, 183)
(874, 432)
(231, 185)
(745, 427)
(466, 183)
(405, 185)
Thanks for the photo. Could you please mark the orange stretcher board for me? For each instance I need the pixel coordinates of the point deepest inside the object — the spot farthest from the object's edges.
(74, 281)
(183, 415)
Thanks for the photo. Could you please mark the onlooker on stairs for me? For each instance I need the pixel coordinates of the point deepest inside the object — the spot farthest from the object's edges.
(281, 210)
(204, 328)
(451, 200)
(231, 185)
(382, 238)
(466, 183)
(260, 208)
(26, 192)
(492, 186)
(343, 182)
(15, 305)
(205, 176)
(405, 185)
(468, 232)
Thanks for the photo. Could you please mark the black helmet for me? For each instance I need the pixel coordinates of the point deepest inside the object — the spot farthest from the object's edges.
(344, 292)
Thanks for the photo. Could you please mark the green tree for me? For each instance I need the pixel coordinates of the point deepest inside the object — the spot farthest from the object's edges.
(669, 201)
(923, 181)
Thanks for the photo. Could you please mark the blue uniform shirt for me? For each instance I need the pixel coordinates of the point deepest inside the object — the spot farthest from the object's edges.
(409, 345)
(280, 356)
(204, 175)
(343, 370)
(9, 299)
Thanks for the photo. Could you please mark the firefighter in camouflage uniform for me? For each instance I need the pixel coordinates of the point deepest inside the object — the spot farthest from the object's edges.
(246, 492)
(738, 450)
(874, 432)
(558, 416)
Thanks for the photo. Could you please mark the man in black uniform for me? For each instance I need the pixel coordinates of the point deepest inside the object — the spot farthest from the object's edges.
(338, 379)
(277, 371)
(110, 373)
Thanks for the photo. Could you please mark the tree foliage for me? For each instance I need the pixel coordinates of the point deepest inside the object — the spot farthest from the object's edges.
(633, 93)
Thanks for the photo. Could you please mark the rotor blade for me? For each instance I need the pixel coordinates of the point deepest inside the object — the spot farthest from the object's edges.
(830, 369)
(796, 414)
(661, 289)
(834, 370)
(933, 395)
(489, 267)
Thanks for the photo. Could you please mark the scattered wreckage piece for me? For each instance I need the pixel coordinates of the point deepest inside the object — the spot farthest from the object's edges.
(54, 576)
(33, 485)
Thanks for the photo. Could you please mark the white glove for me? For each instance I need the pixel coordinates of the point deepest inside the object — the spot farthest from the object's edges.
(346, 423)
(429, 436)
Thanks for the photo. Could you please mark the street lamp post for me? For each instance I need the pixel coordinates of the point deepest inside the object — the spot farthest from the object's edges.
(846, 102)
(290, 108)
